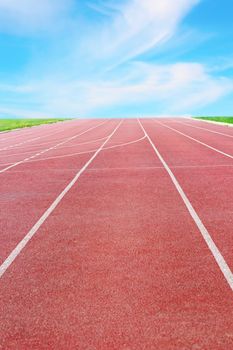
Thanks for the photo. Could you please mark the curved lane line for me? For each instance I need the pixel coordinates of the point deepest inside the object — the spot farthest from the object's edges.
(49, 149)
(84, 152)
(30, 140)
(74, 145)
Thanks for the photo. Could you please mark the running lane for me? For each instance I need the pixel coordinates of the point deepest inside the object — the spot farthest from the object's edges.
(221, 142)
(211, 126)
(45, 142)
(119, 264)
(28, 189)
(205, 175)
(25, 136)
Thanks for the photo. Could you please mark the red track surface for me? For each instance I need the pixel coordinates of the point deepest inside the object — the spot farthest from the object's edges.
(119, 263)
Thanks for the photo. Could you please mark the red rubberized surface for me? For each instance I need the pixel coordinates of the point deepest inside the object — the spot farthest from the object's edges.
(120, 263)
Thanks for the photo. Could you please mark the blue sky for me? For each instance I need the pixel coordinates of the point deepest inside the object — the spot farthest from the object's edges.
(108, 58)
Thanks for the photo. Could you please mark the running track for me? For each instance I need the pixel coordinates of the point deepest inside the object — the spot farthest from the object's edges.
(117, 234)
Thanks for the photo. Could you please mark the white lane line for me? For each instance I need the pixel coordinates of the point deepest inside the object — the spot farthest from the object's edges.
(37, 145)
(49, 149)
(198, 141)
(32, 146)
(13, 255)
(34, 139)
(202, 166)
(12, 134)
(28, 131)
(213, 122)
(80, 153)
(199, 127)
(18, 144)
(70, 146)
(160, 167)
(203, 230)
(141, 168)
(23, 143)
(30, 140)
(182, 167)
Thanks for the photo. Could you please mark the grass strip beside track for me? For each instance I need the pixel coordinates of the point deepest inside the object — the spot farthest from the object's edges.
(228, 120)
(10, 124)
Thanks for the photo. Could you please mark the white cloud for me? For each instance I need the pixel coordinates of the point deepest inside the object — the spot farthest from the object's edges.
(176, 88)
(22, 16)
(140, 25)
(179, 87)
(183, 86)
(23, 113)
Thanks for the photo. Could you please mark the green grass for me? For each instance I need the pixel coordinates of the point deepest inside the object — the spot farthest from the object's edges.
(10, 124)
(218, 119)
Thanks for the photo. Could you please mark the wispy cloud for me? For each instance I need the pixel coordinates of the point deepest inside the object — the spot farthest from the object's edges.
(136, 26)
(30, 16)
(24, 113)
(177, 87)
